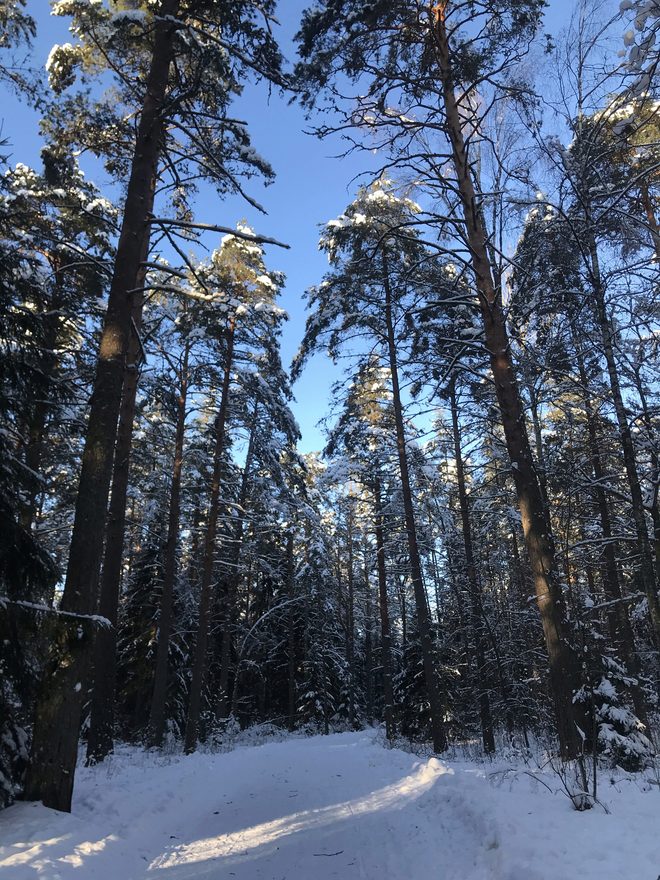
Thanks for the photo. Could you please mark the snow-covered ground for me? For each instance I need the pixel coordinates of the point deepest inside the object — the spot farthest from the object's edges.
(316, 808)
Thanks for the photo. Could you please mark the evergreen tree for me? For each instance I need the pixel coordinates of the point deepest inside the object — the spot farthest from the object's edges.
(375, 264)
(443, 75)
(164, 49)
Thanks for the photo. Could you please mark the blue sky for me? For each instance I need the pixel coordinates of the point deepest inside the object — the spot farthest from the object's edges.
(311, 187)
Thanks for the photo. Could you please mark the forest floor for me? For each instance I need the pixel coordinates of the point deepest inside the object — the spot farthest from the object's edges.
(341, 806)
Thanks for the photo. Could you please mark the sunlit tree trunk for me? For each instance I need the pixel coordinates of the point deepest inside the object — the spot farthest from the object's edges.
(368, 638)
(51, 772)
(651, 219)
(100, 738)
(350, 618)
(291, 634)
(654, 504)
(564, 665)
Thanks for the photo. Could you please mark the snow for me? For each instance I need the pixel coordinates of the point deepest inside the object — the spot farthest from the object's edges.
(340, 806)
(135, 16)
(48, 609)
(57, 52)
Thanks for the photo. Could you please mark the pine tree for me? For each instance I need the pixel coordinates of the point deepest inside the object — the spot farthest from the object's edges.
(364, 438)
(17, 27)
(245, 299)
(54, 230)
(431, 59)
(549, 270)
(170, 95)
(365, 247)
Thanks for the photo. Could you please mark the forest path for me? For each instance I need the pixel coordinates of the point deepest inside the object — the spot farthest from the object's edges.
(311, 809)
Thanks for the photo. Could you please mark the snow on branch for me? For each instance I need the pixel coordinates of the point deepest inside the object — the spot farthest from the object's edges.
(98, 619)
(210, 227)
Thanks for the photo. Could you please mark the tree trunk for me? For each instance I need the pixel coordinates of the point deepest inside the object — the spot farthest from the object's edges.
(421, 601)
(199, 662)
(651, 219)
(224, 702)
(646, 567)
(474, 588)
(654, 508)
(385, 636)
(368, 638)
(59, 705)
(291, 623)
(564, 664)
(350, 620)
(538, 443)
(621, 631)
(102, 718)
(165, 613)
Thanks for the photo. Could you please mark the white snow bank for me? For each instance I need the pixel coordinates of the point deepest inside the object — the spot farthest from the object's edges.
(326, 807)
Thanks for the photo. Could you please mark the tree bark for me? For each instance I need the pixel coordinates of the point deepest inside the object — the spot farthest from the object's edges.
(476, 606)
(646, 565)
(166, 610)
(563, 661)
(438, 734)
(102, 718)
(651, 218)
(654, 508)
(621, 632)
(368, 638)
(59, 705)
(199, 662)
(291, 625)
(350, 619)
(383, 603)
(538, 443)
(224, 702)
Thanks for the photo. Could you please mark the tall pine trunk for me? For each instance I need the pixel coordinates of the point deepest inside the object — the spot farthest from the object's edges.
(201, 646)
(476, 605)
(166, 609)
(564, 665)
(224, 700)
(368, 638)
(651, 219)
(350, 618)
(100, 739)
(291, 634)
(438, 734)
(51, 772)
(383, 604)
(654, 504)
